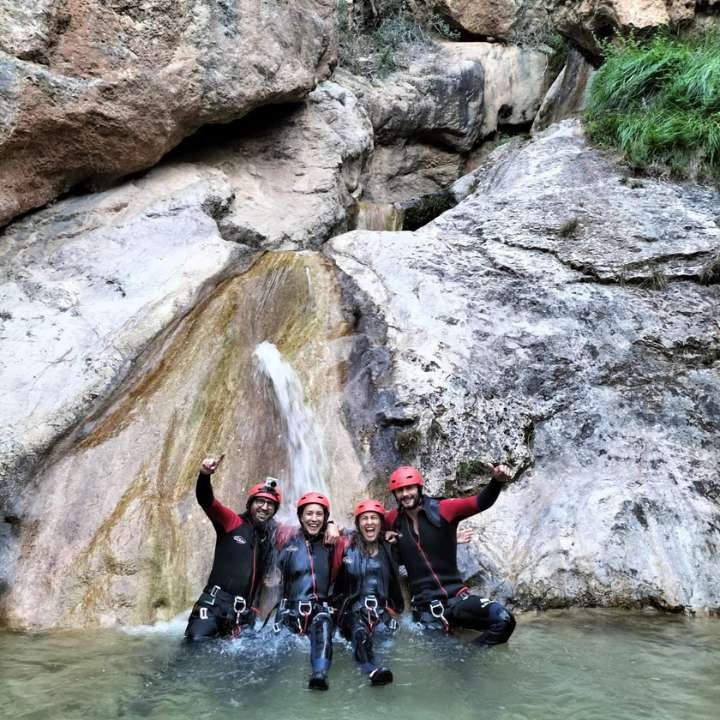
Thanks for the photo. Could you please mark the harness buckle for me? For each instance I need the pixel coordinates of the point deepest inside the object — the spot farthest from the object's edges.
(437, 610)
(305, 607)
(371, 603)
(239, 605)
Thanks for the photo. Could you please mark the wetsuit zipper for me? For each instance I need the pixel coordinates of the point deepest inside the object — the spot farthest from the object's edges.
(312, 569)
(416, 539)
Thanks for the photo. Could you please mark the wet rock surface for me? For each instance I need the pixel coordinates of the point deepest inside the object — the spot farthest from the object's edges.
(558, 320)
(91, 91)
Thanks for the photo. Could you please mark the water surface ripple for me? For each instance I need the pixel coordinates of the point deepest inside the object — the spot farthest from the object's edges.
(584, 665)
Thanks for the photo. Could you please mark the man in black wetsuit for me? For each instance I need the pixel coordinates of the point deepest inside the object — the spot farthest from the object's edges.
(367, 591)
(243, 548)
(308, 565)
(427, 547)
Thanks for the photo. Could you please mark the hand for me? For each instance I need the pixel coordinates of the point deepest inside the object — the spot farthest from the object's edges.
(211, 464)
(503, 473)
(391, 536)
(332, 534)
(465, 535)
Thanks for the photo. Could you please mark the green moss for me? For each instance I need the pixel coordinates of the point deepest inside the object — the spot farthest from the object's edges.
(658, 102)
(469, 469)
(407, 442)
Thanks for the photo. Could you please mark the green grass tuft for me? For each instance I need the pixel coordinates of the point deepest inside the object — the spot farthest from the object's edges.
(659, 103)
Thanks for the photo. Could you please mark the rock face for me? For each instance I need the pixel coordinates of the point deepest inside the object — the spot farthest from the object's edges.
(442, 105)
(100, 295)
(557, 320)
(112, 510)
(588, 21)
(91, 91)
(566, 96)
(487, 18)
(295, 177)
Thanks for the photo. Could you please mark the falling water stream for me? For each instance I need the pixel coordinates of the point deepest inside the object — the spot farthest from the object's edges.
(305, 452)
(579, 665)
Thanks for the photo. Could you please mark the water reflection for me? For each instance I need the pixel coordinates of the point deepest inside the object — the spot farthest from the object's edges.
(593, 665)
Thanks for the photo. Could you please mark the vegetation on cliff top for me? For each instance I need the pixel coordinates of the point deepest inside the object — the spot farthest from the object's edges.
(374, 37)
(659, 103)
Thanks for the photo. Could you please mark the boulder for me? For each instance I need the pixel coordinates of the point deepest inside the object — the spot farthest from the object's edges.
(296, 175)
(92, 91)
(561, 319)
(443, 104)
(590, 21)
(514, 85)
(406, 170)
(86, 284)
(486, 18)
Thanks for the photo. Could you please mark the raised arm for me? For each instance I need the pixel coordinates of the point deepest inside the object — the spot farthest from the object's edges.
(219, 515)
(456, 509)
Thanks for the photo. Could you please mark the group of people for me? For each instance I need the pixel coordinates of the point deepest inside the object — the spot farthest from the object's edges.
(349, 580)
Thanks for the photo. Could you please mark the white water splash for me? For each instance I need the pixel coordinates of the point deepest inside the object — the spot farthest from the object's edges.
(306, 456)
(174, 627)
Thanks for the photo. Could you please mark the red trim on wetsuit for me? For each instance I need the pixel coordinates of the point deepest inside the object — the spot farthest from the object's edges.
(457, 509)
(220, 515)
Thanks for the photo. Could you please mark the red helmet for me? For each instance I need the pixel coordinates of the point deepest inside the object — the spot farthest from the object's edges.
(265, 490)
(314, 497)
(405, 476)
(369, 506)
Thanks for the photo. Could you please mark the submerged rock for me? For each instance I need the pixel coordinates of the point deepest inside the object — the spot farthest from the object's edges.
(91, 91)
(558, 320)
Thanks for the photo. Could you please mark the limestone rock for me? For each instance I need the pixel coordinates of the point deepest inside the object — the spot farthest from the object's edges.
(487, 18)
(438, 98)
(86, 283)
(557, 320)
(514, 81)
(440, 105)
(112, 510)
(295, 177)
(566, 96)
(407, 170)
(588, 21)
(91, 91)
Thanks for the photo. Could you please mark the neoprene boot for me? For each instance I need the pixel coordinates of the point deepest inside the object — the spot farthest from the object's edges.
(318, 681)
(381, 676)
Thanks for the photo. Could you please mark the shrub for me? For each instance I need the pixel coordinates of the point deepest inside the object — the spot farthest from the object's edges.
(659, 103)
(375, 37)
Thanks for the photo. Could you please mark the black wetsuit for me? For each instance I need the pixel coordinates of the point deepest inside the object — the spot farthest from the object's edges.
(439, 596)
(308, 567)
(242, 554)
(367, 596)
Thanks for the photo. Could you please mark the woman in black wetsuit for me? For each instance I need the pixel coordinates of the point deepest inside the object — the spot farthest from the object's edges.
(367, 591)
(308, 566)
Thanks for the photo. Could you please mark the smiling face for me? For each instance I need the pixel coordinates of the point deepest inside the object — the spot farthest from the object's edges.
(408, 497)
(369, 526)
(312, 518)
(261, 510)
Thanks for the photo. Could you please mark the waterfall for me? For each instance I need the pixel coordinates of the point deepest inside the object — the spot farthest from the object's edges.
(305, 452)
(379, 216)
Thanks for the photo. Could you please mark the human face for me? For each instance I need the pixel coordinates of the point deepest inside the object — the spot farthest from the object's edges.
(261, 510)
(369, 525)
(312, 518)
(408, 497)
